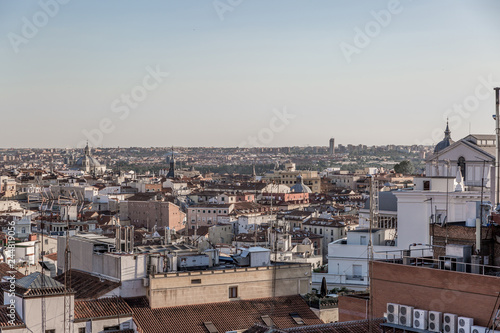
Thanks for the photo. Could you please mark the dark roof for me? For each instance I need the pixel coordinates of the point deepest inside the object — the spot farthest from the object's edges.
(146, 196)
(88, 286)
(226, 316)
(446, 142)
(387, 201)
(101, 308)
(358, 326)
(6, 321)
(37, 280)
(37, 284)
(5, 270)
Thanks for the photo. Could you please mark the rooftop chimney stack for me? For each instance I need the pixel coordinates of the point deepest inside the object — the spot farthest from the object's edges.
(132, 234)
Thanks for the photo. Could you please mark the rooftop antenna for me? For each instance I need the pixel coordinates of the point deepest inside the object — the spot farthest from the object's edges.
(373, 219)
(497, 157)
(44, 314)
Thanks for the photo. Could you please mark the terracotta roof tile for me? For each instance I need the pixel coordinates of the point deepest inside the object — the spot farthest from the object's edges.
(226, 316)
(101, 308)
(359, 326)
(88, 286)
(5, 270)
(5, 320)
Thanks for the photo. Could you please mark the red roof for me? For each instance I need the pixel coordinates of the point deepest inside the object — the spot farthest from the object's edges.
(358, 326)
(226, 316)
(6, 321)
(5, 270)
(88, 286)
(101, 308)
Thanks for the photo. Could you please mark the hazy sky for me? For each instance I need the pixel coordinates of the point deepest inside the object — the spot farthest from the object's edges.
(234, 64)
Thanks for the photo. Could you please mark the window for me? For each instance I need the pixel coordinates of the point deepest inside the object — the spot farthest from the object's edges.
(298, 320)
(111, 328)
(210, 327)
(357, 271)
(267, 320)
(233, 292)
(50, 331)
(195, 281)
(427, 185)
(81, 330)
(461, 165)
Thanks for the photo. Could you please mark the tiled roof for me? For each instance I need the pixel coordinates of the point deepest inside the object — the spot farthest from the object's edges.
(52, 256)
(5, 270)
(31, 285)
(226, 316)
(101, 308)
(86, 285)
(358, 326)
(37, 280)
(5, 319)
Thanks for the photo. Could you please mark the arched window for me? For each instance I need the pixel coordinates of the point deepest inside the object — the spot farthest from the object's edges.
(461, 165)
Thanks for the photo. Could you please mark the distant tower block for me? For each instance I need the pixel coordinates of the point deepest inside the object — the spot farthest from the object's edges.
(331, 148)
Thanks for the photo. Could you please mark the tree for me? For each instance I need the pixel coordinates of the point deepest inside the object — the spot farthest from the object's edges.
(324, 289)
(404, 167)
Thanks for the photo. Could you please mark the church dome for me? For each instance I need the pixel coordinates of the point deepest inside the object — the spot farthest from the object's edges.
(300, 187)
(89, 163)
(446, 142)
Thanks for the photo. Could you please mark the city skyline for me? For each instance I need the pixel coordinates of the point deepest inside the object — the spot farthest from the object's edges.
(215, 74)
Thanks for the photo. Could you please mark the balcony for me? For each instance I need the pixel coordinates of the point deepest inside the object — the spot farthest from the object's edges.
(354, 278)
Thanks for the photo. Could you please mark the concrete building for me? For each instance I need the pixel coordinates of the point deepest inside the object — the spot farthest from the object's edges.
(330, 229)
(222, 285)
(331, 147)
(289, 177)
(30, 295)
(207, 214)
(151, 213)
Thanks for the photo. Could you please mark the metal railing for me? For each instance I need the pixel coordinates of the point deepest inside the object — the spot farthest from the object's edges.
(447, 264)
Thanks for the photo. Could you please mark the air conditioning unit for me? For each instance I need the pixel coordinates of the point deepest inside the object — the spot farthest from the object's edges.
(478, 329)
(406, 315)
(450, 323)
(435, 321)
(393, 313)
(145, 282)
(420, 319)
(465, 324)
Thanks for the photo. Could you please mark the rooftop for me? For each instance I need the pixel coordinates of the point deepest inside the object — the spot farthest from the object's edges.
(225, 316)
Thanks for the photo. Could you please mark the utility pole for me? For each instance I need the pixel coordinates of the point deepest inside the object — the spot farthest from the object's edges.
(497, 157)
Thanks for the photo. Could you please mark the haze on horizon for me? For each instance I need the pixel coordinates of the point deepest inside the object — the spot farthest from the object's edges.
(234, 67)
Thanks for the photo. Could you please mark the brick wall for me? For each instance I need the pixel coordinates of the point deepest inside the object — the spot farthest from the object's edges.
(458, 234)
(353, 307)
(464, 294)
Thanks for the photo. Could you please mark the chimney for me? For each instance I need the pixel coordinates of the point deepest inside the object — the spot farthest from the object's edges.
(169, 237)
(117, 238)
(126, 238)
(32, 237)
(132, 236)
